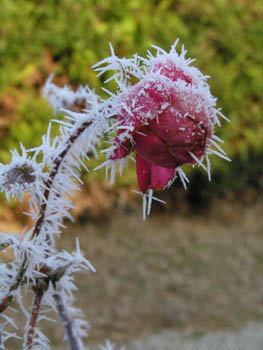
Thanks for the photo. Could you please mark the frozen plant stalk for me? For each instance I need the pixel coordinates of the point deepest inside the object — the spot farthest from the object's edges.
(162, 110)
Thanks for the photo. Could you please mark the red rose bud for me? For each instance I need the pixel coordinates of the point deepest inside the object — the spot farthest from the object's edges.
(167, 118)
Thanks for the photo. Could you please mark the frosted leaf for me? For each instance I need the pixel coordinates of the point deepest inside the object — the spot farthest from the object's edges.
(64, 97)
(20, 175)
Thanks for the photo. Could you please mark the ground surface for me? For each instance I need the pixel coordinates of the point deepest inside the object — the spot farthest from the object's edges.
(174, 273)
(247, 338)
(187, 280)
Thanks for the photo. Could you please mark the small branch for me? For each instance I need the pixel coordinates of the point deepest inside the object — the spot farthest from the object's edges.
(4, 303)
(34, 315)
(67, 322)
(57, 163)
(8, 299)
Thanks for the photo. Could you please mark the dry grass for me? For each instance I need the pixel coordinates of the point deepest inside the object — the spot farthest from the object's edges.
(195, 273)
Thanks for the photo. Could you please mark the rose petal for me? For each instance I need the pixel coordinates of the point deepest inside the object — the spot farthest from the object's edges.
(152, 149)
(143, 101)
(143, 170)
(182, 134)
(122, 149)
(171, 71)
(160, 177)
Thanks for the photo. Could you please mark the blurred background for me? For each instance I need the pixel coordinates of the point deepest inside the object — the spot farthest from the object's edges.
(198, 257)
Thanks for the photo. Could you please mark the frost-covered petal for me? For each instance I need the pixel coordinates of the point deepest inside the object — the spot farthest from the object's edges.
(151, 176)
(122, 149)
(143, 171)
(169, 69)
(144, 100)
(160, 177)
(182, 133)
(153, 149)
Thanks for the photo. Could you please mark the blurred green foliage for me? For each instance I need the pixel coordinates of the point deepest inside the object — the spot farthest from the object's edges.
(67, 37)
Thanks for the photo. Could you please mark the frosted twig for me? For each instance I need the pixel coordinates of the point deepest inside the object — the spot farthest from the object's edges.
(67, 322)
(39, 292)
(48, 185)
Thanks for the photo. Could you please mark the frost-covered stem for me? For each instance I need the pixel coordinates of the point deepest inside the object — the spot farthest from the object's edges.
(42, 213)
(34, 315)
(8, 299)
(57, 163)
(67, 322)
(6, 302)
